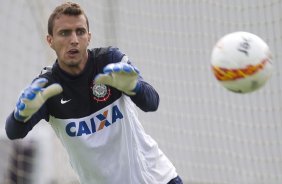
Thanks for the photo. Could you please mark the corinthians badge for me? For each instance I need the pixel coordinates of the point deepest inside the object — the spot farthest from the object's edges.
(100, 92)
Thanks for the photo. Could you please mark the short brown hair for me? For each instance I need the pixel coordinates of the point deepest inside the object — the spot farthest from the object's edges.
(68, 8)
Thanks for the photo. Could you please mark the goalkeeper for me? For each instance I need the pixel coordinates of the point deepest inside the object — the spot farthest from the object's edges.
(88, 96)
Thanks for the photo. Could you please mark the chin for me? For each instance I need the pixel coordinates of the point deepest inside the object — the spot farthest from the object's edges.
(73, 64)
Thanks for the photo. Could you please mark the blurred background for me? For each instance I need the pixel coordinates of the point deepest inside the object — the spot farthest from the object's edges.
(211, 135)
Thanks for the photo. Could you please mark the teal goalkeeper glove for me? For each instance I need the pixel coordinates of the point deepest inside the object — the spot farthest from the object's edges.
(33, 97)
(121, 76)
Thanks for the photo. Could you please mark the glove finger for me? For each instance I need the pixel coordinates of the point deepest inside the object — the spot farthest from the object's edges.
(128, 68)
(35, 87)
(28, 94)
(104, 79)
(109, 68)
(51, 90)
(20, 106)
(38, 84)
(118, 67)
(113, 67)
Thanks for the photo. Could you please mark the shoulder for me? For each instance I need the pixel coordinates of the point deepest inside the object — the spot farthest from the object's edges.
(105, 51)
(111, 54)
(46, 72)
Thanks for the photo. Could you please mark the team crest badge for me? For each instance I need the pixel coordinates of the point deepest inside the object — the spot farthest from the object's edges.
(100, 92)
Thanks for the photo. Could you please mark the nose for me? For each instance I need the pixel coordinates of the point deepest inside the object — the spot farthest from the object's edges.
(74, 38)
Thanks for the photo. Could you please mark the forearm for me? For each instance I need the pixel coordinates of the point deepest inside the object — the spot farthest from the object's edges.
(16, 129)
(147, 98)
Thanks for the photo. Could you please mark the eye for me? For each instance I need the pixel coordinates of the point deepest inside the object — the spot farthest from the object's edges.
(64, 33)
(80, 32)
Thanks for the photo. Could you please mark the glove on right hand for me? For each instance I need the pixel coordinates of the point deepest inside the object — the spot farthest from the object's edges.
(33, 97)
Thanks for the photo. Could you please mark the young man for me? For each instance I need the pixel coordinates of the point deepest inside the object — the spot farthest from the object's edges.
(88, 97)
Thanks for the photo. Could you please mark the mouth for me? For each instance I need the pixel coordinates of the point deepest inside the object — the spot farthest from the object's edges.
(73, 52)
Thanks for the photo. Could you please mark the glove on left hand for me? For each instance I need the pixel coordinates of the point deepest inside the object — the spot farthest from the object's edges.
(121, 76)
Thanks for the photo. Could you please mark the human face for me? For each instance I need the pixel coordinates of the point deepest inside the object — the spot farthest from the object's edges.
(70, 40)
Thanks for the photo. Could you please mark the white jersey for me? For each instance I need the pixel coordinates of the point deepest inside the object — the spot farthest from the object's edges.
(110, 146)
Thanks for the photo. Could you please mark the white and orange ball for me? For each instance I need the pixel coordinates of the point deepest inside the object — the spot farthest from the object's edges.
(241, 62)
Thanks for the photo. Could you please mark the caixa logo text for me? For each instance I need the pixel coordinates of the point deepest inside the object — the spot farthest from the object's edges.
(91, 125)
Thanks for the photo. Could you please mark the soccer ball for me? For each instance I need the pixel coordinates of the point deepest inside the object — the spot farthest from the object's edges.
(241, 62)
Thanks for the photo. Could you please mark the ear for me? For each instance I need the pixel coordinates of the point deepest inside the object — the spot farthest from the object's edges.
(89, 37)
(49, 39)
